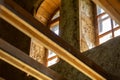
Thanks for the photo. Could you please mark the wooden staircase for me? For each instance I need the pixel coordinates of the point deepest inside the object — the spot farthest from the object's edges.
(26, 23)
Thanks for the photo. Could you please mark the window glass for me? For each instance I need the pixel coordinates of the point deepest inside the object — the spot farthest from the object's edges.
(117, 32)
(55, 29)
(52, 57)
(104, 26)
(105, 38)
(104, 16)
(51, 54)
(107, 27)
(56, 15)
(115, 24)
(99, 10)
(53, 61)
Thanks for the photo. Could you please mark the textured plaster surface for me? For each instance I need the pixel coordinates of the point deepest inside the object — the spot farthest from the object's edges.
(69, 31)
(107, 56)
(87, 25)
(69, 22)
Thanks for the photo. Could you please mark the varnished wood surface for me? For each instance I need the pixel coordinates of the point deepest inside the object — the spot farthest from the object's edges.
(47, 10)
(23, 21)
(23, 62)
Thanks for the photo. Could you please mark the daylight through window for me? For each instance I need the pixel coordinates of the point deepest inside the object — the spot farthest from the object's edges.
(107, 28)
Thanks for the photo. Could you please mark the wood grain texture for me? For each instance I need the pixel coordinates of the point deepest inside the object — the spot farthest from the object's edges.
(23, 21)
(23, 62)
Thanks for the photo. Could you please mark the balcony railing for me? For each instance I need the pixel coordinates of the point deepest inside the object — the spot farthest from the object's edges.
(26, 23)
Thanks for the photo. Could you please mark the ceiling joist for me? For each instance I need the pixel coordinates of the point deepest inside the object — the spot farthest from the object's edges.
(27, 24)
(23, 62)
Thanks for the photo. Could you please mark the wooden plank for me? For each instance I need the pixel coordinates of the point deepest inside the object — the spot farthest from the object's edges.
(112, 7)
(34, 29)
(23, 62)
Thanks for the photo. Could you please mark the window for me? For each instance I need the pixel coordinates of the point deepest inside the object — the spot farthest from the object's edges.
(54, 26)
(107, 28)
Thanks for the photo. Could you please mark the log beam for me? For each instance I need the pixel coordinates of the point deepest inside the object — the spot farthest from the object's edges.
(23, 21)
(23, 62)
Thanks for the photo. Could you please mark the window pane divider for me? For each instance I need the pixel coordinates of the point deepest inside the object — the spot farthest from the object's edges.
(100, 15)
(109, 32)
(51, 58)
(101, 20)
(112, 26)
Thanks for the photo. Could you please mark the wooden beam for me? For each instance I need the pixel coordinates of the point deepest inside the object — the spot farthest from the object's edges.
(112, 7)
(23, 62)
(23, 21)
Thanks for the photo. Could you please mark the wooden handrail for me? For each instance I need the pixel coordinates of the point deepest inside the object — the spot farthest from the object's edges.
(23, 62)
(26, 23)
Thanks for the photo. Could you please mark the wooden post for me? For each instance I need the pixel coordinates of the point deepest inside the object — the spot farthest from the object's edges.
(23, 62)
(23, 21)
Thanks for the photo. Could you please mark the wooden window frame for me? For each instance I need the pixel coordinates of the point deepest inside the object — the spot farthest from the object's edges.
(23, 21)
(52, 24)
(112, 30)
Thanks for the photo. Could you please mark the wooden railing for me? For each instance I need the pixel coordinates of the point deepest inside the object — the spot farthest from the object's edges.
(23, 62)
(26, 23)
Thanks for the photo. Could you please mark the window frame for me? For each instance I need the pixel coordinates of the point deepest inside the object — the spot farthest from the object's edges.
(97, 23)
(53, 23)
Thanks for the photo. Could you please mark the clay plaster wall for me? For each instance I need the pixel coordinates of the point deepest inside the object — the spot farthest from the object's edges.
(87, 25)
(107, 56)
(70, 29)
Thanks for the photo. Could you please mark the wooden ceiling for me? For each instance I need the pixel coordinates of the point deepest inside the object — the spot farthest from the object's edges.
(46, 10)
